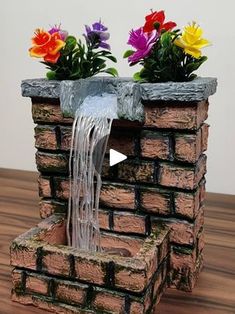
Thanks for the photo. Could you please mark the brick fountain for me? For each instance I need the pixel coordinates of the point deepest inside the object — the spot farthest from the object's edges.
(151, 205)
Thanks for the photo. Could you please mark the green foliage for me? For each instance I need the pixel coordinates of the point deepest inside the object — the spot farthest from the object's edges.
(111, 71)
(128, 53)
(78, 61)
(168, 62)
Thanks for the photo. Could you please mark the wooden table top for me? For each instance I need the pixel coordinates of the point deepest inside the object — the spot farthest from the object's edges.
(214, 293)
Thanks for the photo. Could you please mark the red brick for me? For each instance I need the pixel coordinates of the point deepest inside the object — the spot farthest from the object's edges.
(185, 268)
(155, 145)
(200, 169)
(54, 230)
(70, 292)
(188, 147)
(48, 305)
(129, 223)
(182, 177)
(16, 278)
(155, 201)
(91, 268)
(132, 171)
(137, 308)
(183, 258)
(117, 196)
(122, 142)
(44, 186)
(24, 254)
(158, 281)
(132, 278)
(62, 187)
(106, 171)
(56, 260)
(66, 136)
(202, 191)
(176, 115)
(45, 137)
(202, 112)
(164, 248)
(37, 284)
(182, 231)
(21, 298)
(48, 112)
(205, 134)
(155, 249)
(187, 204)
(109, 301)
(104, 219)
(47, 162)
(49, 207)
(200, 242)
(141, 305)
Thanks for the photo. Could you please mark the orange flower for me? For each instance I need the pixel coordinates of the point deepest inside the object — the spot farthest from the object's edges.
(46, 46)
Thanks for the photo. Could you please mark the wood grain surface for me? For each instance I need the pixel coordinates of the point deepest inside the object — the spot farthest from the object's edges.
(215, 291)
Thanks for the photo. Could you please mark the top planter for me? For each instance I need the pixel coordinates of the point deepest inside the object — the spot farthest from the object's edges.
(129, 94)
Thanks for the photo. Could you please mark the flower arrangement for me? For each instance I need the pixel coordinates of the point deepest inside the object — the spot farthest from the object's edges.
(166, 53)
(68, 58)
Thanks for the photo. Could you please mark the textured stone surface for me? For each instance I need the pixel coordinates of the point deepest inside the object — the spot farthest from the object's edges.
(129, 94)
(40, 88)
(196, 90)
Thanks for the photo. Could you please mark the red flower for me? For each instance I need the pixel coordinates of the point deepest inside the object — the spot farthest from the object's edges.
(157, 17)
(46, 46)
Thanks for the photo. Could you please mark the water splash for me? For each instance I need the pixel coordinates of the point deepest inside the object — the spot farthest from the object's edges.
(91, 129)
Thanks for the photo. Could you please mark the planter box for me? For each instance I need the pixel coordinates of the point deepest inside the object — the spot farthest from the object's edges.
(58, 278)
(162, 130)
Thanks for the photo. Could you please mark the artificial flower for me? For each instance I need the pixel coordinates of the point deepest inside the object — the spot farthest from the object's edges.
(191, 40)
(157, 18)
(142, 42)
(46, 46)
(57, 29)
(97, 35)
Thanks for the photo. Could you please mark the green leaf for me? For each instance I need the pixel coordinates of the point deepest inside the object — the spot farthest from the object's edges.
(128, 53)
(97, 62)
(193, 66)
(112, 71)
(70, 45)
(112, 58)
(166, 39)
(137, 77)
(51, 75)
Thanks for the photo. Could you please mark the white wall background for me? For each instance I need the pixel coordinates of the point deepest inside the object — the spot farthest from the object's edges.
(18, 19)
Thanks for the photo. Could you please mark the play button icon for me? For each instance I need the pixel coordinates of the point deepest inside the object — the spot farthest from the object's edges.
(115, 157)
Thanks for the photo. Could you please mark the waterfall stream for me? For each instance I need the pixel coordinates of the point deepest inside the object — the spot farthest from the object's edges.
(90, 133)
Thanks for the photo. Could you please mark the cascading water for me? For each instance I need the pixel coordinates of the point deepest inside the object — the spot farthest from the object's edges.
(91, 129)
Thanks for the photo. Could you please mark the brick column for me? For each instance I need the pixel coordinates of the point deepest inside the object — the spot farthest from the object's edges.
(162, 180)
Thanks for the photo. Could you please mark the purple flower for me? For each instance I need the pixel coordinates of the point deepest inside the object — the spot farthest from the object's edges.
(142, 42)
(57, 29)
(97, 35)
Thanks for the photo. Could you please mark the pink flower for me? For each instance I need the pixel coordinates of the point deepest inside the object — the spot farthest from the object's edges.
(57, 29)
(142, 42)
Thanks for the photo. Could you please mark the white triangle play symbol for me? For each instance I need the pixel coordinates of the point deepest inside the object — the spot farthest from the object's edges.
(115, 157)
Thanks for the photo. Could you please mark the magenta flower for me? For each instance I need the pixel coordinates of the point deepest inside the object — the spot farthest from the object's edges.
(57, 29)
(142, 42)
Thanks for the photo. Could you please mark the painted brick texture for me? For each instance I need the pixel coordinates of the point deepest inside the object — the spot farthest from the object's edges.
(66, 279)
(162, 183)
(162, 179)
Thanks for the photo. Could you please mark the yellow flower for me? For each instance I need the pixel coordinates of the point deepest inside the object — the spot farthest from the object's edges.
(191, 40)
